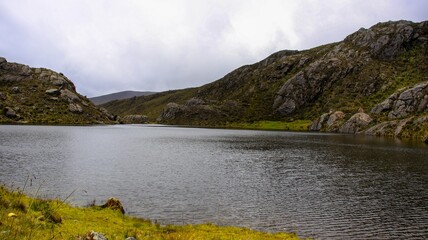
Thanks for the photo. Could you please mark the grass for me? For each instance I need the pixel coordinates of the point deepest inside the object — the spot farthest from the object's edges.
(23, 217)
(297, 125)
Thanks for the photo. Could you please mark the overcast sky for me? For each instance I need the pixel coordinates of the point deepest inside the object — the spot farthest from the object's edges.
(106, 46)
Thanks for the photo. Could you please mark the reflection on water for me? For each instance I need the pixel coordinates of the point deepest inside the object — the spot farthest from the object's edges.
(325, 186)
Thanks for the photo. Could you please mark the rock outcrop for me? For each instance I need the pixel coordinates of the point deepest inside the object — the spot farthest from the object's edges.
(328, 121)
(356, 123)
(42, 96)
(405, 102)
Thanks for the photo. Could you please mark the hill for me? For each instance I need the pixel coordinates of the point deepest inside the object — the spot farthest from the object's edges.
(373, 82)
(118, 96)
(42, 96)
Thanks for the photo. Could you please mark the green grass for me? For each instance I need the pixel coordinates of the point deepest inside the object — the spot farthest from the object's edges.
(54, 219)
(297, 125)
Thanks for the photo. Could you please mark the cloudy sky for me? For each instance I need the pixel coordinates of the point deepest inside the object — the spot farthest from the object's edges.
(106, 46)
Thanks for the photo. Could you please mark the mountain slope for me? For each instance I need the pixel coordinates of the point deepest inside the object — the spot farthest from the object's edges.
(338, 83)
(118, 96)
(42, 96)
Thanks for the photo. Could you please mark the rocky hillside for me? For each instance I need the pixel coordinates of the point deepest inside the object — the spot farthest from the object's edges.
(42, 96)
(372, 82)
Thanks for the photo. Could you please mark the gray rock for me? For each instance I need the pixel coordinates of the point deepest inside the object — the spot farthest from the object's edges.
(9, 112)
(405, 102)
(381, 129)
(92, 235)
(15, 90)
(355, 123)
(170, 112)
(2, 96)
(401, 125)
(386, 105)
(53, 92)
(69, 96)
(334, 118)
(287, 107)
(318, 76)
(383, 40)
(75, 108)
(2, 60)
(319, 122)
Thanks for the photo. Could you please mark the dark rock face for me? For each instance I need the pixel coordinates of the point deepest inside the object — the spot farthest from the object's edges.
(317, 77)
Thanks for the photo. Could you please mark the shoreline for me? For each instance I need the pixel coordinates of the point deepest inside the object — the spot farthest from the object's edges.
(25, 217)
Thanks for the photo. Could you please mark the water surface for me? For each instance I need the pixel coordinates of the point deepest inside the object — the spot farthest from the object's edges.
(325, 186)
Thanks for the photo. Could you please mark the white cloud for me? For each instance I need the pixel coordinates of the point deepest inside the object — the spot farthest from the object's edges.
(106, 45)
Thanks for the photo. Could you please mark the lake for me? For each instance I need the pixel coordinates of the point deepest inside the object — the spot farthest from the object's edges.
(326, 186)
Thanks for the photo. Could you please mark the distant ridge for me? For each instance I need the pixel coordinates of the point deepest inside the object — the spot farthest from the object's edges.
(118, 96)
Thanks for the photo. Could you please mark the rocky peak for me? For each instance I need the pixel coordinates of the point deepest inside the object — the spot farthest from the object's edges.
(40, 95)
(387, 40)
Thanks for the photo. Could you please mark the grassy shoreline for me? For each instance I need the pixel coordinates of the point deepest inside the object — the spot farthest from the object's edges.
(24, 217)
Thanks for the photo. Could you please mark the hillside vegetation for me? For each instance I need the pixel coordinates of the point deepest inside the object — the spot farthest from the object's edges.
(339, 87)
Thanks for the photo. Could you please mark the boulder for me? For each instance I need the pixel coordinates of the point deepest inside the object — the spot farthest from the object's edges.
(355, 123)
(53, 92)
(115, 204)
(9, 112)
(75, 108)
(2, 96)
(69, 96)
